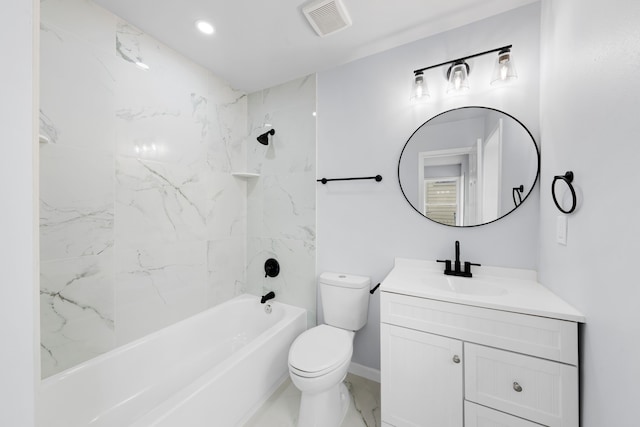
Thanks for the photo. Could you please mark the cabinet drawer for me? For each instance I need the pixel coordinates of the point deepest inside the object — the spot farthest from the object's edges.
(480, 416)
(538, 336)
(539, 390)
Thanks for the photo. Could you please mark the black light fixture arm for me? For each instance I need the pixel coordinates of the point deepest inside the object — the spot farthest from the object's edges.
(463, 58)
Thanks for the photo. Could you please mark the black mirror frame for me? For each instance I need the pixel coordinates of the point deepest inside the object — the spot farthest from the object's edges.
(535, 181)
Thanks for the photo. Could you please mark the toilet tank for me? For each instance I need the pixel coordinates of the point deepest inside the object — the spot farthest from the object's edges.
(345, 300)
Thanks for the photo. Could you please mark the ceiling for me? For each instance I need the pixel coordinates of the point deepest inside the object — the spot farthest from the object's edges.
(262, 43)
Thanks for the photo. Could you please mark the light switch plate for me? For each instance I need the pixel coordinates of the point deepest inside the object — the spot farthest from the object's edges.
(561, 230)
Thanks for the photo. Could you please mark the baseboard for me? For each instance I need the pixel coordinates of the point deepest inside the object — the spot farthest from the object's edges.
(365, 372)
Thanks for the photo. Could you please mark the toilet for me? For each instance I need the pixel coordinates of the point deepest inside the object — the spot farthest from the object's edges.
(319, 357)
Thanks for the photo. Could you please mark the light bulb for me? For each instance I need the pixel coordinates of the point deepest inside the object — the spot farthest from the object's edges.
(457, 80)
(205, 27)
(503, 72)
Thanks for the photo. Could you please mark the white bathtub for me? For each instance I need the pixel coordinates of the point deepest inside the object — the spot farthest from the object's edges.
(213, 369)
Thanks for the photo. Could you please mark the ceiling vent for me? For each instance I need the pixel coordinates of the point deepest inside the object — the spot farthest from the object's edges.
(327, 16)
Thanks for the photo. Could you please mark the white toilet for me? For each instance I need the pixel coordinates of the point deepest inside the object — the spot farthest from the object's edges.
(319, 358)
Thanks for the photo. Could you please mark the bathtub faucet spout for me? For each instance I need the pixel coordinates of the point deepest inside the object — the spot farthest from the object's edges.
(267, 297)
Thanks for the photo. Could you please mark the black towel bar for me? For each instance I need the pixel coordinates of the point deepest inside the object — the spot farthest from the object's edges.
(378, 178)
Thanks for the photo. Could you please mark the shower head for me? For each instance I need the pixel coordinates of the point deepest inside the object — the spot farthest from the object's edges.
(264, 138)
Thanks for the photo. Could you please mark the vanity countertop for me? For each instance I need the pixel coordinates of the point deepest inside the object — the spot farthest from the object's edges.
(498, 288)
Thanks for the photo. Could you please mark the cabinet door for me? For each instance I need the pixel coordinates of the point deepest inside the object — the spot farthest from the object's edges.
(421, 378)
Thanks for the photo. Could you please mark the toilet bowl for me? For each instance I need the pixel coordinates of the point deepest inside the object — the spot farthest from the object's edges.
(318, 362)
(319, 358)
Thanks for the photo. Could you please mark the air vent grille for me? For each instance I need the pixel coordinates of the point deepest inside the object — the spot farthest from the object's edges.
(327, 16)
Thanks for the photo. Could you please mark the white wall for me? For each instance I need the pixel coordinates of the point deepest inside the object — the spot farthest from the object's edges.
(364, 120)
(590, 104)
(18, 327)
(141, 222)
(281, 203)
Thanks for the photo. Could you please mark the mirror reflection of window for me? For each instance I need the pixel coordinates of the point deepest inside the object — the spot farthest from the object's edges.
(445, 166)
(442, 200)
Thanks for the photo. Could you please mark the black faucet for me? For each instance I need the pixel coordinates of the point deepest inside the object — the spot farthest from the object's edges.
(267, 297)
(456, 265)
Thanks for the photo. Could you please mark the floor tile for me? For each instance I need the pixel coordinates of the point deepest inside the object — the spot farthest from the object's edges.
(281, 409)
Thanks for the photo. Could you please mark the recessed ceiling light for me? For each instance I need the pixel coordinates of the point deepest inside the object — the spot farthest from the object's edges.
(205, 27)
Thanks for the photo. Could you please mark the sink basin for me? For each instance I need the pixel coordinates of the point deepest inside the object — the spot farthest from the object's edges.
(463, 285)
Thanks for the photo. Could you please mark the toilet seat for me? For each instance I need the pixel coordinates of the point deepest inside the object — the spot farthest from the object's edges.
(320, 350)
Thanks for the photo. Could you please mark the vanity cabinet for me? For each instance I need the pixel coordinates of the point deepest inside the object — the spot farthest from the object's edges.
(446, 364)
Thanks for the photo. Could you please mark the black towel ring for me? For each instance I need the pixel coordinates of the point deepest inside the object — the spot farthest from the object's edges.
(568, 179)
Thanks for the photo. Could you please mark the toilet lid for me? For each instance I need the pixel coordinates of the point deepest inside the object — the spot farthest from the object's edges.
(320, 349)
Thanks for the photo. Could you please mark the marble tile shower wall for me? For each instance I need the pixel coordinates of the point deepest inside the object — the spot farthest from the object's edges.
(281, 203)
(142, 223)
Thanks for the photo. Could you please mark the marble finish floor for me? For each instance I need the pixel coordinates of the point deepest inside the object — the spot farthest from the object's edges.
(281, 409)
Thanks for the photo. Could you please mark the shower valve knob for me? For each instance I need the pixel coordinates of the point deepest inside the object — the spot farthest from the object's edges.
(271, 268)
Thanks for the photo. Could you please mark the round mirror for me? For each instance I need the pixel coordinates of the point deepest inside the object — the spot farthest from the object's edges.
(468, 166)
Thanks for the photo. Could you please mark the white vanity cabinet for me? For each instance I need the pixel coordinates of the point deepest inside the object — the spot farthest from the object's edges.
(453, 360)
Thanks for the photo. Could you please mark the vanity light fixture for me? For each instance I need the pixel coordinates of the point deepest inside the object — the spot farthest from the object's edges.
(458, 73)
(205, 27)
(458, 77)
(419, 91)
(504, 69)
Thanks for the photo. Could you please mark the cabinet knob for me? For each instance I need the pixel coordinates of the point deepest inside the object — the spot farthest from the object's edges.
(456, 359)
(517, 387)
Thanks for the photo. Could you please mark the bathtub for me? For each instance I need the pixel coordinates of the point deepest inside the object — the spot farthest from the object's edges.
(213, 369)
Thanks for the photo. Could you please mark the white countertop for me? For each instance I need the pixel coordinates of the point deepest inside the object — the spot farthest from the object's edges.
(497, 288)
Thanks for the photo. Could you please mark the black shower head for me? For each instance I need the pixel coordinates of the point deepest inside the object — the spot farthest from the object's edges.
(264, 138)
